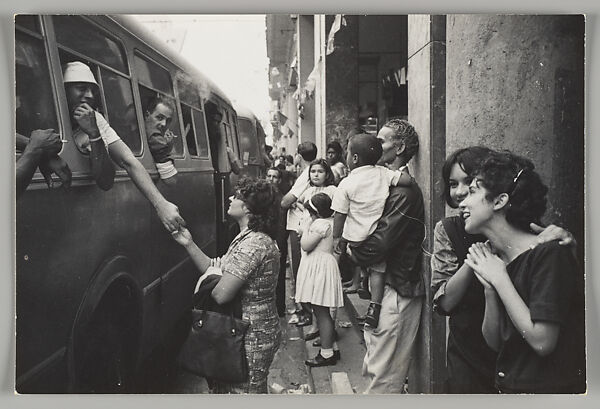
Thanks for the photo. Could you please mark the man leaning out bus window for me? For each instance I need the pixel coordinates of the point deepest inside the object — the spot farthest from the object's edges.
(157, 118)
(93, 134)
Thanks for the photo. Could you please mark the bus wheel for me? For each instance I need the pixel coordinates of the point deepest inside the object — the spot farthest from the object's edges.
(104, 365)
(104, 353)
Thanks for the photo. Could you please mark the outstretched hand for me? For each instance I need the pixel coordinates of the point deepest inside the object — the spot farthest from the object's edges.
(183, 236)
(170, 217)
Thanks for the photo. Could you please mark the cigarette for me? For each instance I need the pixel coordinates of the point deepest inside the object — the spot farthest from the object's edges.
(64, 141)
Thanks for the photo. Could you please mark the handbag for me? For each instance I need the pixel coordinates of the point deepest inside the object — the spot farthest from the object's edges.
(214, 347)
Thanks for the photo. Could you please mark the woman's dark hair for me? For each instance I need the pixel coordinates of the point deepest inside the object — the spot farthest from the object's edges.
(337, 147)
(505, 172)
(469, 159)
(260, 198)
(322, 204)
(329, 177)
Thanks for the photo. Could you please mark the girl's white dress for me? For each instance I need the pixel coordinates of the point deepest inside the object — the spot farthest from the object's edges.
(319, 281)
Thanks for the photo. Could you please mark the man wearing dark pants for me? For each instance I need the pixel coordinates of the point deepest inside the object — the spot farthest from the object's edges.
(397, 240)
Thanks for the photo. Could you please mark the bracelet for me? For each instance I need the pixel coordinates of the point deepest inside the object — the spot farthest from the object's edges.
(95, 139)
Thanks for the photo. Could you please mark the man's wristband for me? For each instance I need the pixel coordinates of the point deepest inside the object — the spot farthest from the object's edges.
(95, 139)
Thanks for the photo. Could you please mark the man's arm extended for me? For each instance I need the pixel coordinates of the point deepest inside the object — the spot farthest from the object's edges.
(167, 211)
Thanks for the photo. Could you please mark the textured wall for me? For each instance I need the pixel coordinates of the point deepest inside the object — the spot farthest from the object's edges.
(342, 78)
(516, 82)
(426, 112)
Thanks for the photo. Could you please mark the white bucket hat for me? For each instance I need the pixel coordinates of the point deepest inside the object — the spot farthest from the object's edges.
(77, 71)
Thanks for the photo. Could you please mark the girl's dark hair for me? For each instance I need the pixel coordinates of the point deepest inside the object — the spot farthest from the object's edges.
(322, 202)
(260, 198)
(505, 172)
(337, 147)
(329, 177)
(469, 159)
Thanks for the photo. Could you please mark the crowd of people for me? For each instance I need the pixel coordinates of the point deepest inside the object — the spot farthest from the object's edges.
(513, 290)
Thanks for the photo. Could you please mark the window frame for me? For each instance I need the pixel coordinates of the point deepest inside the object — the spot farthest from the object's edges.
(194, 129)
(43, 37)
(128, 76)
(178, 113)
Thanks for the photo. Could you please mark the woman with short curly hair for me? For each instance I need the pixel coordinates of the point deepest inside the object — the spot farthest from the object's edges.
(249, 270)
(534, 311)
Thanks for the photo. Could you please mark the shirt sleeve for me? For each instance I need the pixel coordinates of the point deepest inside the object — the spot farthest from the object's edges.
(444, 263)
(106, 132)
(320, 227)
(392, 176)
(553, 277)
(341, 201)
(300, 185)
(245, 258)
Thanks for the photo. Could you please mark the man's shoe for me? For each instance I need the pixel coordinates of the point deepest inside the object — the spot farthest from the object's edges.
(294, 319)
(372, 316)
(337, 355)
(320, 361)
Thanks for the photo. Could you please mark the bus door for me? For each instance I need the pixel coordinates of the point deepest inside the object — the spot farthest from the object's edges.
(222, 170)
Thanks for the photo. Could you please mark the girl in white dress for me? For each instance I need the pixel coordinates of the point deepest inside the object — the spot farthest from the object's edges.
(319, 282)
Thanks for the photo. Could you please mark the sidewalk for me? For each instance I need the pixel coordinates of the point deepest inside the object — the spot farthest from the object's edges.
(288, 370)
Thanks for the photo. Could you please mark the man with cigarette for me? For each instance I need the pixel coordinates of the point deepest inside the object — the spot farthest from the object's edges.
(92, 134)
(157, 119)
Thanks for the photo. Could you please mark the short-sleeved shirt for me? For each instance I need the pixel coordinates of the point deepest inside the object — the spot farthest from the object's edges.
(361, 196)
(108, 134)
(294, 215)
(549, 282)
(254, 258)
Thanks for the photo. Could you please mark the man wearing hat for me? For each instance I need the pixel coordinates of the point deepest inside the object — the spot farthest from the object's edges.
(93, 134)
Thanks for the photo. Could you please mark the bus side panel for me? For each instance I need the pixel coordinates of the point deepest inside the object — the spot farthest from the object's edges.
(194, 194)
(62, 238)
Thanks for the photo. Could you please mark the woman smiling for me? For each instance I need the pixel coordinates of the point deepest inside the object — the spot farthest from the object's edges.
(534, 303)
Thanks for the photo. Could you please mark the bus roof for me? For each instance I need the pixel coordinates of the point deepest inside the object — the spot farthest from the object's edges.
(245, 112)
(157, 44)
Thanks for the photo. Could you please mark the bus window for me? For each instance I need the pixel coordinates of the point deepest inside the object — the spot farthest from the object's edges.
(152, 75)
(188, 130)
(35, 107)
(188, 91)
(85, 37)
(147, 95)
(29, 22)
(201, 136)
(121, 109)
(248, 141)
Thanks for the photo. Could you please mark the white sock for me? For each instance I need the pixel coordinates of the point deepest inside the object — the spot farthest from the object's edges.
(335, 346)
(326, 352)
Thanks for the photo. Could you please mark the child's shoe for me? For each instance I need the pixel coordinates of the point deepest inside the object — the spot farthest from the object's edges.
(372, 316)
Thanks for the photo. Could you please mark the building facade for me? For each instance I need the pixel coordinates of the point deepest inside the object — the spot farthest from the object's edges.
(506, 82)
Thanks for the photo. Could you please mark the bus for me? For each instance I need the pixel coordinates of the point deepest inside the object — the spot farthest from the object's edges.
(252, 143)
(100, 283)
